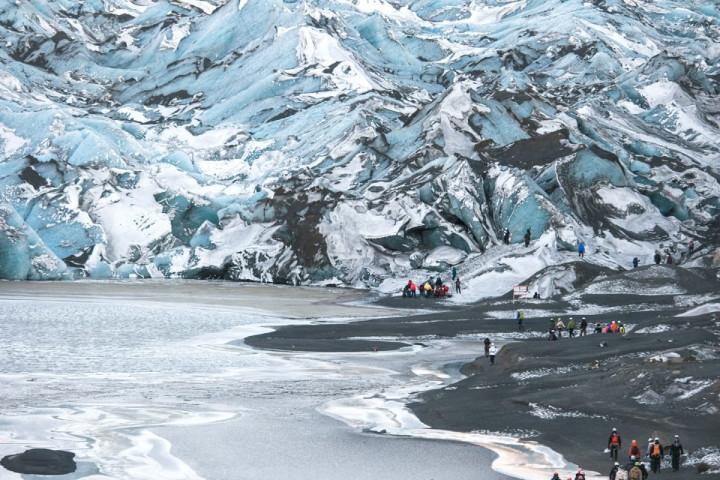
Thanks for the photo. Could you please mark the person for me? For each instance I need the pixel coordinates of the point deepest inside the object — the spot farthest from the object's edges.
(487, 347)
(454, 273)
(620, 473)
(580, 475)
(614, 443)
(634, 452)
(635, 473)
(643, 470)
(657, 257)
(635, 262)
(555, 476)
(560, 326)
(493, 351)
(527, 237)
(583, 327)
(598, 328)
(428, 289)
(691, 247)
(656, 455)
(551, 335)
(613, 327)
(458, 285)
(621, 327)
(581, 250)
(438, 283)
(669, 259)
(631, 463)
(676, 450)
(413, 289)
(537, 295)
(571, 328)
(406, 290)
(552, 323)
(506, 237)
(651, 443)
(519, 317)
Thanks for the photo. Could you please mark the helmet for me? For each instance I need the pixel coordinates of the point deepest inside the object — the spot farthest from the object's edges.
(649, 439)
(677, 436)
(634, 442)
(617, 464)
(632, 457)
(657, 439)
(614, 429)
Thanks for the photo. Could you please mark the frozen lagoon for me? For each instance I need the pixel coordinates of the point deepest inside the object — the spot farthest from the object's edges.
(146, 380)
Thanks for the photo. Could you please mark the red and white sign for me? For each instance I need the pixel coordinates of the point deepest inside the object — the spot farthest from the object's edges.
(520, 290)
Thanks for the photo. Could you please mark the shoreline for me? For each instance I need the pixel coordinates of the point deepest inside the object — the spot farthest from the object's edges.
(566, 395)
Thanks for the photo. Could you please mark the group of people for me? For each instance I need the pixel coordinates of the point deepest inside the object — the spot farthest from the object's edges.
(490, 350)
(432, 288)
(635, 469)
(427, 289)
(557, 327)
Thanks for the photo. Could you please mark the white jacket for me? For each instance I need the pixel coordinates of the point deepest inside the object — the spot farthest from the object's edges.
(493, 350)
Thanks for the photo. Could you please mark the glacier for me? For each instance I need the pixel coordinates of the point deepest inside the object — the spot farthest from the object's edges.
(360, 143)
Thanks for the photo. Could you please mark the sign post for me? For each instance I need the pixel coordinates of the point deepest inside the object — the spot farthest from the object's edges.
(519, 291)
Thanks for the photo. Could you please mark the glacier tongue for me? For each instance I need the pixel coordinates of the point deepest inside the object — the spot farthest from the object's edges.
(337, 142)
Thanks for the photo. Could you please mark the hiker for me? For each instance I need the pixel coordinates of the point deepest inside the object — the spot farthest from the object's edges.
(580, 475)
(635, 473)
(458, 285)
(669, 259)
(555, 476)
(571, 328)
(520, 316)
(527, 237)
(581, 250)
(413, 289)
(551, 335)
(537, 295)
(560, 326)
(630, 464)
(487, 347)
(428, 289)
(634, 451)
(598, 328)
(635, 262)
(621, 327)
(618, 472)
(651, 443)
(656, 455)
(657, 257)
(454, 273)
(493, 351)
(438, 283)
(691, 247)
(506, 237)
(613, 327)
(676, 450)
(614, 443)
(552, 323)
(583, 327)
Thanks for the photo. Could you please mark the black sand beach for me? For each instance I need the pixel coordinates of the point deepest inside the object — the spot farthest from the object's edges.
(658, 380)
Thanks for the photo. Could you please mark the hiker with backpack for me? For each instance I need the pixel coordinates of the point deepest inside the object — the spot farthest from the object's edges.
(555, 476)
(580, 475)
(656, 455)
(636, 472)
(614, 443)
(571, 328)
(618, 473)
(634, 452)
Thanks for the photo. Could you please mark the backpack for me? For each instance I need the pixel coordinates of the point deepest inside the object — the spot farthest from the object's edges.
(614, 438)
(656, 450)
(635, 474)
(621, 474)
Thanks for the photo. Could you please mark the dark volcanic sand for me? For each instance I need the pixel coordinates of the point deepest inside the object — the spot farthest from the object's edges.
(586, 388)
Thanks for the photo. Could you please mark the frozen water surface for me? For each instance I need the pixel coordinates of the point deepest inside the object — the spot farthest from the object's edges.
(146, 380)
